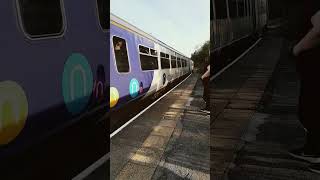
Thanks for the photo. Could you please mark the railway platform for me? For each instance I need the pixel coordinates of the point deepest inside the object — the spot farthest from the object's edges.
(254, 121)
(168, 141)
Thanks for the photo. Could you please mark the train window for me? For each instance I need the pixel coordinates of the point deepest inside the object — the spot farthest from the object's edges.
(221, 9)
(103, 13)
(144, 50)
(165, 62)
(179, 63)
(153, 52)
(121, 54)
(41, 18)
(173, 62)
(148, 61)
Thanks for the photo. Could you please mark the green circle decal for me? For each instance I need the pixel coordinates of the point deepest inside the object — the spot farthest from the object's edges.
(77, 83)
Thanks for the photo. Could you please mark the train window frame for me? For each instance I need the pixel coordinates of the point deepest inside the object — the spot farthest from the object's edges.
(144, 47)
(99, 18)
(114, 55)
(175, 59)
(179, 62)
(156, 52)
(165, 57)
(162, 53)
(149, 54)
(58, 35)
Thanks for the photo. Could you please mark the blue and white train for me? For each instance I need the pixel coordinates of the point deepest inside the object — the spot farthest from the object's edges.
(140, 65)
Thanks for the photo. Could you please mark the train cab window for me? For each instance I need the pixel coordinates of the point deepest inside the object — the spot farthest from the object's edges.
(165, 61)
(173, 62)
(41, 18)
(103, 13)
(221, 9)
(121, 54)
(148, 60)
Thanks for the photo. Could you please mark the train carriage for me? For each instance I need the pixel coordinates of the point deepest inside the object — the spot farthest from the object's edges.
(53, 79)
(140, 66)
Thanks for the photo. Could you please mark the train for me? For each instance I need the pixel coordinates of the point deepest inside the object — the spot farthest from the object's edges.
(54, 79)
(235, 24)
(141, 66)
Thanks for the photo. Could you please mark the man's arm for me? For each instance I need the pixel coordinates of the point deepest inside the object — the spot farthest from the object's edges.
(309, 41)
(312, 38)
(206, 74)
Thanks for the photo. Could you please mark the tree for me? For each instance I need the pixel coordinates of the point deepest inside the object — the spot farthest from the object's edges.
(200, 55)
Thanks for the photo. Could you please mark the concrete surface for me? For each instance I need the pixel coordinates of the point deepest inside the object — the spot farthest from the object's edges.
(165, 141)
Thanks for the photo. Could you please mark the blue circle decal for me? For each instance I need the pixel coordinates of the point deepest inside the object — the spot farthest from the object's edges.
(77, 83)
(134, 88)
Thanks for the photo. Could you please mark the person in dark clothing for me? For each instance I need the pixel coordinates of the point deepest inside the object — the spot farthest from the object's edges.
(307, 54)
(206, 89)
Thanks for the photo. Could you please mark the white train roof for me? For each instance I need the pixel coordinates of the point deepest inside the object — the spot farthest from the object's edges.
(133, 28)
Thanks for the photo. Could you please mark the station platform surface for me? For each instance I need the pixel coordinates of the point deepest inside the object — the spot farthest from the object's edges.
(169, 141)
(254, 121)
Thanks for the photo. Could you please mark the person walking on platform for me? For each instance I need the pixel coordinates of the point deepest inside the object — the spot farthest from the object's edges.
(307, 54)
(205, 81)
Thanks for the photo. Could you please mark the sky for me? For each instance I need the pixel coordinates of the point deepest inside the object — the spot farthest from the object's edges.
(182, 24)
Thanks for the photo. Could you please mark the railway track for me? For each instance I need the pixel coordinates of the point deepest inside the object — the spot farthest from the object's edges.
(228, 65)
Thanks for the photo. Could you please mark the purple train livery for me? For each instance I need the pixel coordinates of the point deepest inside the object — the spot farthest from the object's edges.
(140, 66)
(53, 87)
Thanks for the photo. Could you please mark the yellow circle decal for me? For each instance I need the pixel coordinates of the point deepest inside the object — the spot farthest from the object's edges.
(114, 97)
(13, 111)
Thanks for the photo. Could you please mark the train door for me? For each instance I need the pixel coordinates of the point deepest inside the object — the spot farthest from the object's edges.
(170, 71)
(157, 73)
(173, 66)
(179, 66)
(164, 72)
